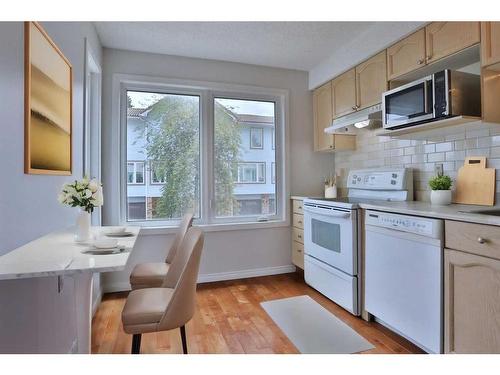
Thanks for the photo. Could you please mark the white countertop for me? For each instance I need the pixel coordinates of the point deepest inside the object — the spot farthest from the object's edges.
(460, 212)
(58, 254)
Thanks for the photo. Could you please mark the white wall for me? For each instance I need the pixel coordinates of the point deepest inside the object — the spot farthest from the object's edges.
(28, 204)
(243, 251)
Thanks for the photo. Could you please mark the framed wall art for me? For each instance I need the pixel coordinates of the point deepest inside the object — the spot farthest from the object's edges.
(48, 105)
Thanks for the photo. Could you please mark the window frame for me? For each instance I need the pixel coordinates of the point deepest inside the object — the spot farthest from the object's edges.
(135, 162)
(252, 129)
(257, 163)
(273, 172)
(207, 91)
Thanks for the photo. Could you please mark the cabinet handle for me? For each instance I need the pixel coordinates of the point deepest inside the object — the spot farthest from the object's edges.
(420, 61)
(299, 251)
(299, 236)
(481, 240)
(300, 221)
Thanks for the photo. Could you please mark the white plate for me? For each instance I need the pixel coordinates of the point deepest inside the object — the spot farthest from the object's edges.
(121, 234)
(105, 243)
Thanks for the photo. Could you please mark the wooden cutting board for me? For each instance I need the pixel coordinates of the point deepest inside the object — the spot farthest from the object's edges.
(475, 183)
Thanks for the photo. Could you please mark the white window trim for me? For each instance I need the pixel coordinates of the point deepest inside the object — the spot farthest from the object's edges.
(117, 206)
(151, 180)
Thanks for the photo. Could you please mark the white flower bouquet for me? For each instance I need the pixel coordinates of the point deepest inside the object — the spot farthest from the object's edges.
(86, 194)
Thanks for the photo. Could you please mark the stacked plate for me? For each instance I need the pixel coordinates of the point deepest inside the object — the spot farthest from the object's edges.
(118, 232)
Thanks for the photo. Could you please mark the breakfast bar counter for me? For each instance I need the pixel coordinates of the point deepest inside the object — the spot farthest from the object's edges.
(55, 261)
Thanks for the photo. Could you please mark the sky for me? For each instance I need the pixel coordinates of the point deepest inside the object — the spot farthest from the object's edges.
(248, 107)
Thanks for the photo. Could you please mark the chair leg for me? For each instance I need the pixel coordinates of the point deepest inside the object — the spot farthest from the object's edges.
(136, 344)
(184, 341)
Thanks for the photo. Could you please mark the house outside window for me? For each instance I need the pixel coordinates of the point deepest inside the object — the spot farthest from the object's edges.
(161, 124)
(273, 173)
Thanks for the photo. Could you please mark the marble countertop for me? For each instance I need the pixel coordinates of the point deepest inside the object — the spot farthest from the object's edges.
(58, 254)
(460, 212)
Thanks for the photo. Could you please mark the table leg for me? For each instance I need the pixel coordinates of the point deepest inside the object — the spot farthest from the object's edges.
(83, 302)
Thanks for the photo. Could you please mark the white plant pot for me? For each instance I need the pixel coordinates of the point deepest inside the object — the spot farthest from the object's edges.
(441, 197)
(82, 227)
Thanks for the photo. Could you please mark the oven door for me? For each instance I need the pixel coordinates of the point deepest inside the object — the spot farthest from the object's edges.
(408, 104)
(330, 235)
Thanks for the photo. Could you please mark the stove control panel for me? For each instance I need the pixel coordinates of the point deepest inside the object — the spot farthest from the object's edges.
(394, 179)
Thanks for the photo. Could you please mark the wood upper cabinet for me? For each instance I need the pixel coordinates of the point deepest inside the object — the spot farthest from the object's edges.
(371, 81)
(322, 116)
(445, 38)
(344, 94)
(406, 55)
(490, 43)
(472, 303)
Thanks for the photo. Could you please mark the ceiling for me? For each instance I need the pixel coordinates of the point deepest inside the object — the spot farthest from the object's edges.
(292, 45)
(323, 49)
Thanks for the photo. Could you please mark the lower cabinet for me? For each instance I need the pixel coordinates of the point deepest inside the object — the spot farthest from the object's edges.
(472, 303)
(297, 233)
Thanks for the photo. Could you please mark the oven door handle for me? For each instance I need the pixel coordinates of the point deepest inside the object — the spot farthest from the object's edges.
(327, 212)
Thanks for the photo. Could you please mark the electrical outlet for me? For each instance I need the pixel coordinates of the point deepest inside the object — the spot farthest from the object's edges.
(438, 169)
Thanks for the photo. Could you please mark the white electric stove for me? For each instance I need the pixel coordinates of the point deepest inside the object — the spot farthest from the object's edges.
(332, 230)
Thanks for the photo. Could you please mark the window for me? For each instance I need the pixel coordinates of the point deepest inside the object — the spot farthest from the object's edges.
(164, 129)
(250, 193)
(256, 138)
(157, 171)
(251, 173)
(202, 150)
(135, 173)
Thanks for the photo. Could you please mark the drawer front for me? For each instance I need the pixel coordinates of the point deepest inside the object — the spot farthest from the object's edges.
(298, 235)
(473, 238)
(298, 254)
(298, 221)
(297, 207)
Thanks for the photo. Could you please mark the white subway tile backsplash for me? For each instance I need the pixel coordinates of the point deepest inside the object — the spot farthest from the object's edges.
(437, 156)
(450, 150)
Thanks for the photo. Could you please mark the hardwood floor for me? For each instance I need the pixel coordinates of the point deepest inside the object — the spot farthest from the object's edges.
(229, 319)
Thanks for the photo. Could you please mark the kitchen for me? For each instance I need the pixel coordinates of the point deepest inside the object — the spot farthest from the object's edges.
(211, 200)
(379, 161)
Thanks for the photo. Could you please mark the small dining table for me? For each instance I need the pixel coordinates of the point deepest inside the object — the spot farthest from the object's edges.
(58, 255)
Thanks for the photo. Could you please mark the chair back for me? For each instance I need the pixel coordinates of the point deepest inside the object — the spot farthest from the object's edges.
(186, 223)
(185, 268)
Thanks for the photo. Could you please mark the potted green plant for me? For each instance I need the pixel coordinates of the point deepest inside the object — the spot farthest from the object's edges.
(441, 193)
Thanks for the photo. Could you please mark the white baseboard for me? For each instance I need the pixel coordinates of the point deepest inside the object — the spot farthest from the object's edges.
(211, 277)
(243, 274)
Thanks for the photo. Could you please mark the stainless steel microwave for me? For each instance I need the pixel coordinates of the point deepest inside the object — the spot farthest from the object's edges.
(447, 93)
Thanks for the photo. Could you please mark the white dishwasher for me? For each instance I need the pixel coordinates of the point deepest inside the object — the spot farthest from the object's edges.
(403, 276)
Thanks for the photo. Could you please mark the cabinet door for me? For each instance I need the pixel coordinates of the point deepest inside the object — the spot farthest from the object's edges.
(298, 254)
(406, 55)
(472, 303)
(445, 38)
(371, 80)
(490, 43)
(344, 94)
(322, 113)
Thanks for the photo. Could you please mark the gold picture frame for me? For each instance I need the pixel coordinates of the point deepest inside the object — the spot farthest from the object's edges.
(48, 105)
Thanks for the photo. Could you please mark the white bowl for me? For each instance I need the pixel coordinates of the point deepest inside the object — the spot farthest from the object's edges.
(105, 243)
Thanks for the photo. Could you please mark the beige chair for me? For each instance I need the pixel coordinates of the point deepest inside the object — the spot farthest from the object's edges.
(151, 275)
(173, 304)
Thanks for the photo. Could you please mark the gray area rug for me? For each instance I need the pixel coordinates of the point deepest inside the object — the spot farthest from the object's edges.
(312, 328)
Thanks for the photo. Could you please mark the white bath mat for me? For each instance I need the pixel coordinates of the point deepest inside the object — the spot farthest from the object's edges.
(312, 328)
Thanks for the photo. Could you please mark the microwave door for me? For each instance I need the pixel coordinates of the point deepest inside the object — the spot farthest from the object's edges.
(408, 104)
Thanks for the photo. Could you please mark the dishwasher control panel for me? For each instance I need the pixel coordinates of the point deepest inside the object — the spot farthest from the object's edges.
(412, 224)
